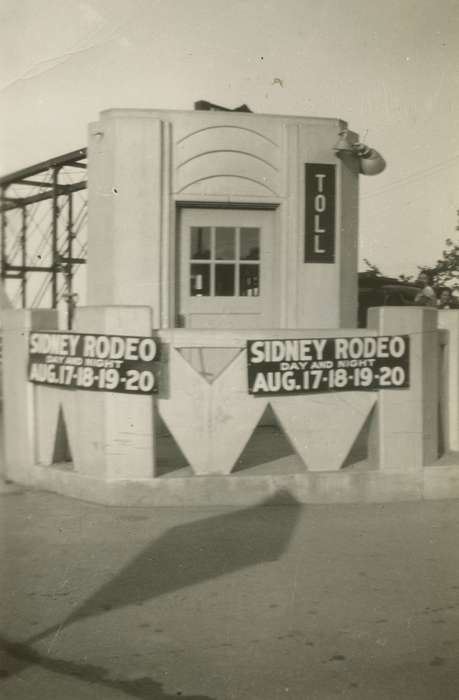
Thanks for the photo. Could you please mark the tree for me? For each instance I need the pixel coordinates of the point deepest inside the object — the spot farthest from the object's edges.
(373, 270)
(445, 273)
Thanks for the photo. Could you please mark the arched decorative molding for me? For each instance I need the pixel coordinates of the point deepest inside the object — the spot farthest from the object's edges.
(226, 175)
(227, 126)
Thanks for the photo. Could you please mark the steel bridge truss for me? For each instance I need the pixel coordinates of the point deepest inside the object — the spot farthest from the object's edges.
(43, 244)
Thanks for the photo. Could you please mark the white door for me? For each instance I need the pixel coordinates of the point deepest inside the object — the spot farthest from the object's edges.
(226, 273)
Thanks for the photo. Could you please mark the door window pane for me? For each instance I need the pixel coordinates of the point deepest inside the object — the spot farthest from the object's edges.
(210, 246)
(225, 238)
(199, 280)
(250, 244)
(224, 280)
(200, 242)
(249, 280)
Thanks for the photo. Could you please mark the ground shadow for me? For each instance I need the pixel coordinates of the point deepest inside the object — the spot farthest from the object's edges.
(183, 556)
(194, 552)
(16, 657)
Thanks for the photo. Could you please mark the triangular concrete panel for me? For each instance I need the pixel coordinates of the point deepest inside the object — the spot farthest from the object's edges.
(184, 413)
(48, 407)
(210, 422)
(323, 427)
(61, 451)
(268, 450)
(170, 459)
(358, 454)
(209, 363)
(54, 408)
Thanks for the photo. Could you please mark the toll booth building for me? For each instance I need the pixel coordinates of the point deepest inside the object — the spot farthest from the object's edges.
(228, 241)
(223, 219)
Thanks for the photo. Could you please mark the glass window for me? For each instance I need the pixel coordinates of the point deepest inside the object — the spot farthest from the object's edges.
(200, 242)
(250, 244)
(224, 280)
(225, 243)
(210, 277)
(249, 280)
(200, 280)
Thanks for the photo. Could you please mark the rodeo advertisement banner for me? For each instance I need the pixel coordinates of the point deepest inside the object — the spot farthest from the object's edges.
(123, 364)
(316, 365)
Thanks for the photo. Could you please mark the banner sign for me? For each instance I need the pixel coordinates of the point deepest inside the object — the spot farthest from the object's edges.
(319, 234)
(316, 365)
(118, 363)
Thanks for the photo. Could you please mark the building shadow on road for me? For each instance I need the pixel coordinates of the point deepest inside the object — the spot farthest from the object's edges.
(194, 552)
(19, 656)
(184, 556)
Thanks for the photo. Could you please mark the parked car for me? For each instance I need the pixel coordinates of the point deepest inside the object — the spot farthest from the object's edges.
(383, 291)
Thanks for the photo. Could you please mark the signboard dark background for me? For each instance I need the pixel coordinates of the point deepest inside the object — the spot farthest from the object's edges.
(317, 365)
(320, 194)
(116, 363)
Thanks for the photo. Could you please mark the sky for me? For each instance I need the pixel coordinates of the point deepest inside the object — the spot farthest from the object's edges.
(390, 68)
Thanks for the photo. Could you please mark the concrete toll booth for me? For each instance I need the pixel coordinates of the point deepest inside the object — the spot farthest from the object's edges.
(220, 219)
(228, 241)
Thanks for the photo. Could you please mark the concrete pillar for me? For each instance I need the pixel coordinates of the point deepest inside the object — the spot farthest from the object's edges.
(449, 321)
(125, 208)
(115, 430)
(18, 393)
(405, 432)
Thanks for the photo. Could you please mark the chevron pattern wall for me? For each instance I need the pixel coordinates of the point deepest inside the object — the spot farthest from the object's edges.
(212, 422)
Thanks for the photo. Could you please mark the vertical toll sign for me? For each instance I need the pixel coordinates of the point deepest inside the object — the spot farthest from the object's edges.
(320, 195)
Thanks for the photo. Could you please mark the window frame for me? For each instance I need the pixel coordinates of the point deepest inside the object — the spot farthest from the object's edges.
(213, 261)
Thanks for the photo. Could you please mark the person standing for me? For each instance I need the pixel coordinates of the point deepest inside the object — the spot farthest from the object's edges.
(445, 300)
(426, 295)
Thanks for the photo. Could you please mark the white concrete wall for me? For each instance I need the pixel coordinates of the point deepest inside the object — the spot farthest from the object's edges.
(124, 212)
(405, 433)
(112, 436)
(145, 164)
(19, 413)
